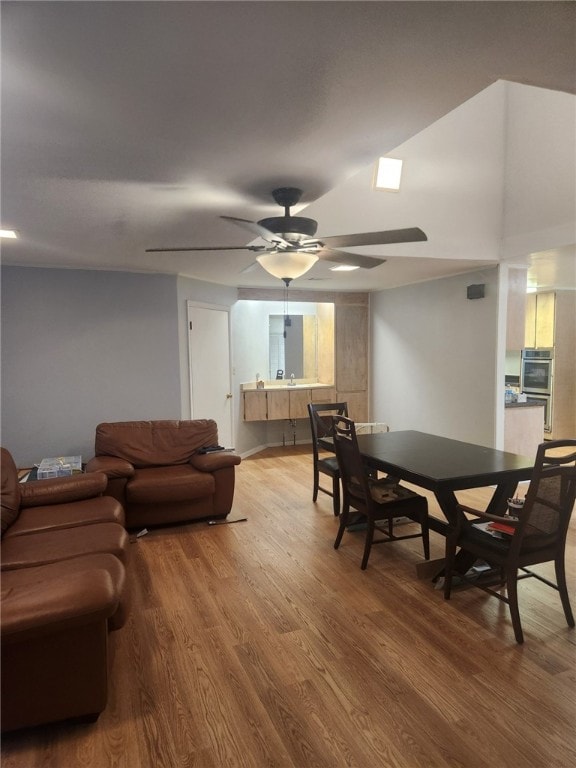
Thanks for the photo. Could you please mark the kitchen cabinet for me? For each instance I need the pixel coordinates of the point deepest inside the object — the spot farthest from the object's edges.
(523, 428)
(540, 310)
(551, 323)
(564, 381)
(516, 310)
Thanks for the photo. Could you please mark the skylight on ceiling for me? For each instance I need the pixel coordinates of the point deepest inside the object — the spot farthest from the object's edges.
(388, 174)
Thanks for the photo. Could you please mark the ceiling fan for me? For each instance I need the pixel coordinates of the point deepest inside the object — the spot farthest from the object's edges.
(293, 248)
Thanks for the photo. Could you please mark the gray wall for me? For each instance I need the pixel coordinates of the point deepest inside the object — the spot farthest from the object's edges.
(81, 347)
(435, 358)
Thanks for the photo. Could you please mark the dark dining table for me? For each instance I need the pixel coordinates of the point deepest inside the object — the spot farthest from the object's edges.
(443, 465)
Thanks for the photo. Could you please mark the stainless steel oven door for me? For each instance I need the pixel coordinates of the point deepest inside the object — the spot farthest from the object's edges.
(536, 376)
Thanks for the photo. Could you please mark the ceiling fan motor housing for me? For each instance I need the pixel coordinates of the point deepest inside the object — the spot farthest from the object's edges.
(290, 227)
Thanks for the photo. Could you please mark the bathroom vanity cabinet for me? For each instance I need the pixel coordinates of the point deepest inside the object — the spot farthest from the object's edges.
(341, 353)
(274, 403)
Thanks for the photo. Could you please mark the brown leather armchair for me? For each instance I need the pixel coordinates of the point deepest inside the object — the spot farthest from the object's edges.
(159, 472)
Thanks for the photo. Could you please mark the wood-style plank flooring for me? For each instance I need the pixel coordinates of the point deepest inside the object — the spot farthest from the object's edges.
(257, 644)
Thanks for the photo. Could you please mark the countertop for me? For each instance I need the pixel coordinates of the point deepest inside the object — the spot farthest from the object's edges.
(528, 404)
(283, 384)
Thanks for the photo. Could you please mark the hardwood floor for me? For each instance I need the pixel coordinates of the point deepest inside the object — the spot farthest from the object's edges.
(257, 645)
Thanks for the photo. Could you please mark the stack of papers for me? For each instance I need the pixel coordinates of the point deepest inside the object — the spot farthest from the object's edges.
(498, 530)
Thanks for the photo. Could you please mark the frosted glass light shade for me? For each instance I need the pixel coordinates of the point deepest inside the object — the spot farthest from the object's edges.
(287, 265)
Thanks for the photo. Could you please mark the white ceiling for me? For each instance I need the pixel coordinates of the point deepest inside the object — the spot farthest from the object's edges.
(129, 125)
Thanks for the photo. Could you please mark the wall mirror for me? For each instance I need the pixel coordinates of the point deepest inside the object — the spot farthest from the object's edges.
(287, 346)
(302, 343)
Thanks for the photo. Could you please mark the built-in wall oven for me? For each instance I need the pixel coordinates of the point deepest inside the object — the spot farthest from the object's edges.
(537, 371)
(536, 379)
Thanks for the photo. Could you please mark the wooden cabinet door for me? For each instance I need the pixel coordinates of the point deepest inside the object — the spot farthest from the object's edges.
(545, 307)
(564, 410)
(530, 335)
(540, 311)
(255, 406)
(278, 404)
(357, 405)
(323, 395)
(516, 314)
(352, 348)
(299, 399)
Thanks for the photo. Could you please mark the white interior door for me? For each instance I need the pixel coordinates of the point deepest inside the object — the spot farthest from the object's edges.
(210, 379)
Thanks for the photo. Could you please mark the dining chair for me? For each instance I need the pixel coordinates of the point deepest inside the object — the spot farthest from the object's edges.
(321, 427)
(537, 535)
(377, 500)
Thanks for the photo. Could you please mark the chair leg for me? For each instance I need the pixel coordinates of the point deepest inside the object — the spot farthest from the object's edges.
(370, 526)
(342, 527)
(336, 495)
(512, 592)
(316, 484)
(563, 589)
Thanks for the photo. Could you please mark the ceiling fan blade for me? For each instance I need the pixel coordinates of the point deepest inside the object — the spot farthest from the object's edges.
(250, 268)
(257, 229)
(409, 235)
(209, 248)
(353, 259)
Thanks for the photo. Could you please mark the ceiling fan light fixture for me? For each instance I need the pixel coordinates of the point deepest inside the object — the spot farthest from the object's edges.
(287, 265)
(388, 174)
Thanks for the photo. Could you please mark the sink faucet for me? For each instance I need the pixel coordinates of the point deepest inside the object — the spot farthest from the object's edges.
(292, 382)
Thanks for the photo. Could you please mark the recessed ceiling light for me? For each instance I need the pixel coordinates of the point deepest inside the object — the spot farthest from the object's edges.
(388, 173)
(343, 268)
(8, 233)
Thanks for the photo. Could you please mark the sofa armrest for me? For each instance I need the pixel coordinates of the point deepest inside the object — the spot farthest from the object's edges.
(112, 466)
(210, 462)
(40, 609)
(62, 490)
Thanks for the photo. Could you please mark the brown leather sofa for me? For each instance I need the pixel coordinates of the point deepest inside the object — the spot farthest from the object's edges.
(158, 472)
(64, 550)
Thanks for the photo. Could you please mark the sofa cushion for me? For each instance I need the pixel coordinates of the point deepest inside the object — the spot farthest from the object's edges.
(155, 443)
(10, 490)
(102, 509)
(37, 549)
(166, 484)
(69, 569)
(36, 610)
